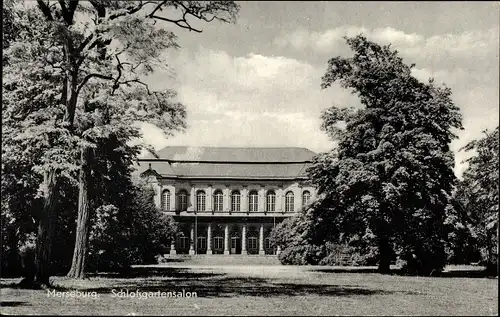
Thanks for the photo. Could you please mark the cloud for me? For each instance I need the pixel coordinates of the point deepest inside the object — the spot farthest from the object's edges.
(471, 44)
(250, 100)
(258, 100)
(467, 62)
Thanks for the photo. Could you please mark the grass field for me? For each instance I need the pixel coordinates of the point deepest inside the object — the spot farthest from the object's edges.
(261, 290)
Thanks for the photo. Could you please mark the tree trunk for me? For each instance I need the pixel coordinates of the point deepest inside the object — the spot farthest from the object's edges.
(384, 255)
(491, 262)
(83, 222)
(46, 227)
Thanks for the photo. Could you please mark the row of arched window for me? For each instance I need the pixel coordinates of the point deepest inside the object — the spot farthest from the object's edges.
(235, 205)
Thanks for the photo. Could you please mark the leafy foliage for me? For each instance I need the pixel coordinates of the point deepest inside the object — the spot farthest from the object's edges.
(478, 194)
(391, 174)
(132, 234)
(73, 82)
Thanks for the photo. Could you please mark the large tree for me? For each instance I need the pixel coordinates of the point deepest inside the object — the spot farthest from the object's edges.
(75, 80)
(478, 192)
(391, 175)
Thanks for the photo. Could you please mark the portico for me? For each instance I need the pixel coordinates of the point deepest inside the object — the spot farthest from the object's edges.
(223, 237)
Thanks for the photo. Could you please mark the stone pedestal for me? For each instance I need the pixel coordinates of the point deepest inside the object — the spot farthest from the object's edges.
(261, 240)
(172, 248)
(244, 240)
(226, 239)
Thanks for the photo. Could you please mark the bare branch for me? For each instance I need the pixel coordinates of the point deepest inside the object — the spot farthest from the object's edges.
(127, 82)
(119, 67)
(62, 4)
(85, 42)
(130, 10)
(45, 10)
(88, 77)
(158, 7)
(186, 25)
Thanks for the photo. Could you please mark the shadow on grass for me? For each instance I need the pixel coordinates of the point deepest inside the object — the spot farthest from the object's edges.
(210, 284)
(399, 272)
(238, 286)
(13, 303)
(173, 272)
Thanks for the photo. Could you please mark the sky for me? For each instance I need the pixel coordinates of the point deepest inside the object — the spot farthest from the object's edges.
(257, 82)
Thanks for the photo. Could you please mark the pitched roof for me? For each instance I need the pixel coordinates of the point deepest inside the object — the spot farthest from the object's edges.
(235, 154)
(247, 163)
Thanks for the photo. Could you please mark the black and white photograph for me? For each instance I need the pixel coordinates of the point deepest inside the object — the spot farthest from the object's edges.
(250, 158)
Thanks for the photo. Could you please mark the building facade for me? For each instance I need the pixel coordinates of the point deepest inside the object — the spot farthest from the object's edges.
(227, 200)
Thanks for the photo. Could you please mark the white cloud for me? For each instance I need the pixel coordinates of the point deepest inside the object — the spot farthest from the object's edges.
(250, 100)
(257, 100)
(466, 62)
(323, 42)
(468, 44)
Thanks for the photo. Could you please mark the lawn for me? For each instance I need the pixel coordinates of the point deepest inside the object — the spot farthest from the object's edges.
(261, 290)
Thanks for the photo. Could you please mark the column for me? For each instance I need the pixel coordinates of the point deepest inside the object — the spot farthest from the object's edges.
(226, 239)
(244, 239)
(297, 201)
(278, 250)
(279, 200)
(209, 239)
(208, 202)
(157, 188)
(226, 199)
(261, 239)
(262, 199)
(172, 247)
(244, 199)
(191, 240)
(172, 198)
(191, 199)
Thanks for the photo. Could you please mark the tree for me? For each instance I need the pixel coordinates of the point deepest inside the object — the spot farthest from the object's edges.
(392, 171)
(86, 61)
(478, 191)
(298, 238)
(132, 231)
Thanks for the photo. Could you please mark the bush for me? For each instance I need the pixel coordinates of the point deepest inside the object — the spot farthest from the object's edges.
(134, 234)
(296, 237)
(302, 255)
(347, 254)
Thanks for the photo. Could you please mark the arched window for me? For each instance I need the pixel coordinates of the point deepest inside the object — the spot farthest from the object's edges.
(271, 201)
(253, 201)
(218, 200)
(183, 200)
(200, 200)
(306, 196)
(165, 200)
(235, 200)
(289, 201)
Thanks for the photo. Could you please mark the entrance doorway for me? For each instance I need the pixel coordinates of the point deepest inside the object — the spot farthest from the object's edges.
(202, 245)
(235, 245)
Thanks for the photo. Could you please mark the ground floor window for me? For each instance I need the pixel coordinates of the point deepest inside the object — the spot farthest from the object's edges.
(183, 242)
(218, 243)
(202, 243)
(267, 243)
(252, 243)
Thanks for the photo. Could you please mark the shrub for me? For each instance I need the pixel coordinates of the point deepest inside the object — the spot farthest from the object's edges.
(136, 233)
(348, 254)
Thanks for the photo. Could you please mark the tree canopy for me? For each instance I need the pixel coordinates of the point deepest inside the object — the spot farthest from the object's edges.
(389, 180)
(478, 192)
(73, 88)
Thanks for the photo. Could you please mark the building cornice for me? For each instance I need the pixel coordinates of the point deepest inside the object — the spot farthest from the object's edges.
(223, 162)
(263, 178)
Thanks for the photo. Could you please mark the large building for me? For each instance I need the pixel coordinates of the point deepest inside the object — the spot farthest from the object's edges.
(228, 198)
